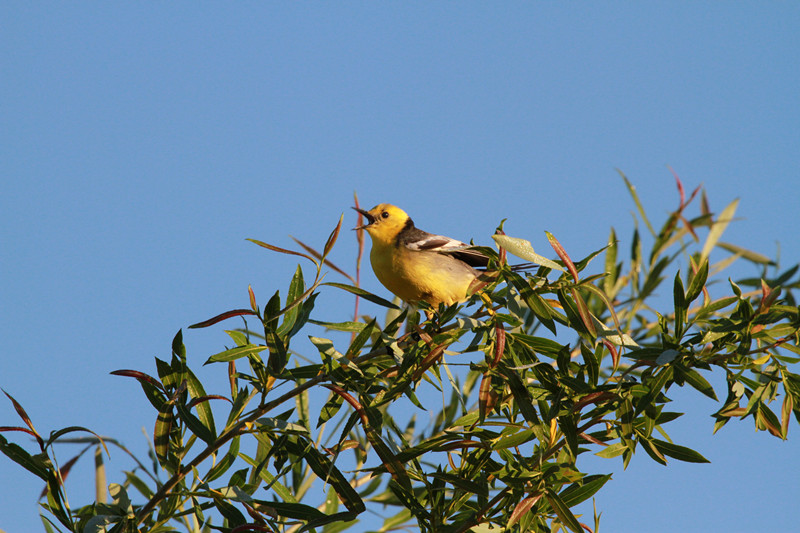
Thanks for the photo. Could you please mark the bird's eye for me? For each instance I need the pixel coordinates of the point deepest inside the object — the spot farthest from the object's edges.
(385, 214)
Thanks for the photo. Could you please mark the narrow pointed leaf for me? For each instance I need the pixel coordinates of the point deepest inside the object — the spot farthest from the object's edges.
(332, 238)
(522, 508)
(562, 254)
(588, 487)
(635, 196)
(697, 283)
(236, 353)
(680, 453)
(282, 250)
(718, 229)
(522, 248)
(564, 514)
(222, 316)
(364, 294)
(696, 380)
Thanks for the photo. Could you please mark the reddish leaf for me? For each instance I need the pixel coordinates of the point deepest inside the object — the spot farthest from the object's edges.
(141, 376)
(252, 298)
(18, 428)
(332, 238)
(522, 508)
(786, 411)
(768, 297)
(502, 250)
(487, 398)
(281, 250)
(680, 188)
(583, 311)
(327, 263)
(434, 355)
(499, 345)
(689, 228)
(202, 399)
(25, 418)
(594, 397)
(613, 351)
(562, 254)
(221, 317)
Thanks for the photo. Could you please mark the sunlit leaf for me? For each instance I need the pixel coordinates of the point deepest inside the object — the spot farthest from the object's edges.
(718, 229)
(680, 453)
(236, 353)
(522, 248)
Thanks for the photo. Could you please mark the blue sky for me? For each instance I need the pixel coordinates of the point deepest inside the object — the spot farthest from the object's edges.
(143, 143)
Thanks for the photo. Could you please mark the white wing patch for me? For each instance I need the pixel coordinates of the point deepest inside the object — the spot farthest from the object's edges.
(422, 241)
(436, 243)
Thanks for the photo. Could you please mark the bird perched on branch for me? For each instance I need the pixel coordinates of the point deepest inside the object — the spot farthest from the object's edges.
(416, 265)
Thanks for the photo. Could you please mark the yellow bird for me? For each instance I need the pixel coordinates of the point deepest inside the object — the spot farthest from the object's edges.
(416, 265)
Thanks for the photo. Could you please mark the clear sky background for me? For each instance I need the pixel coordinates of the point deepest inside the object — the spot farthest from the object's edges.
(142, 143)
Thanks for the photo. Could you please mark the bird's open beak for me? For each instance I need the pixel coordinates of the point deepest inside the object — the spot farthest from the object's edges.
(370, 218)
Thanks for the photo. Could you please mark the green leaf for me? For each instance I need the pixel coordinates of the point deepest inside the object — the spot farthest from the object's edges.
(580, 492)
(38, 465)
(327, 471)
(534, 300)
(718, 228)
(511, 440)
(169, 377)
(653, 279)
(610, 280)
(330, 409)
(681, 305)
(296, 289)
(523, 249)
(751, 256)
(564, 514)
(297, 511)
(652, 450)
(278, 353)
(238, 337)
(177, 346)
(696, 380)
(361, 339)
(204, 413)
(697, 283)
(766, 420)
(282, 491)
(635, 196)
(328, 352)
(161, 433)
(235, 353)
(225, 463)
(364, 294)
(681, 453)
(540, 345)
(349, 327)
(523, 399)
(667, 356)
(233, 515)
(461, 483)
(303, 316)
(272, 310)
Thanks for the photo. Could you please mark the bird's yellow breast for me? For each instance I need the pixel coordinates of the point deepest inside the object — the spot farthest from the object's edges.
(421, 275)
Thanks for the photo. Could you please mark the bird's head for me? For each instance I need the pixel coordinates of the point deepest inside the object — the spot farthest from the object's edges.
(384, 222)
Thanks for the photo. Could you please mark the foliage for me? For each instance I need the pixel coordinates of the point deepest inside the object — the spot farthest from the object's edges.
(533, 372)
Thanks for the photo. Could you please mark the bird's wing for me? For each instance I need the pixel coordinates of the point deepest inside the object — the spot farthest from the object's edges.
(419, 240)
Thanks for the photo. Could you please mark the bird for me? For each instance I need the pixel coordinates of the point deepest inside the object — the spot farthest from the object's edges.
(415, 265)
